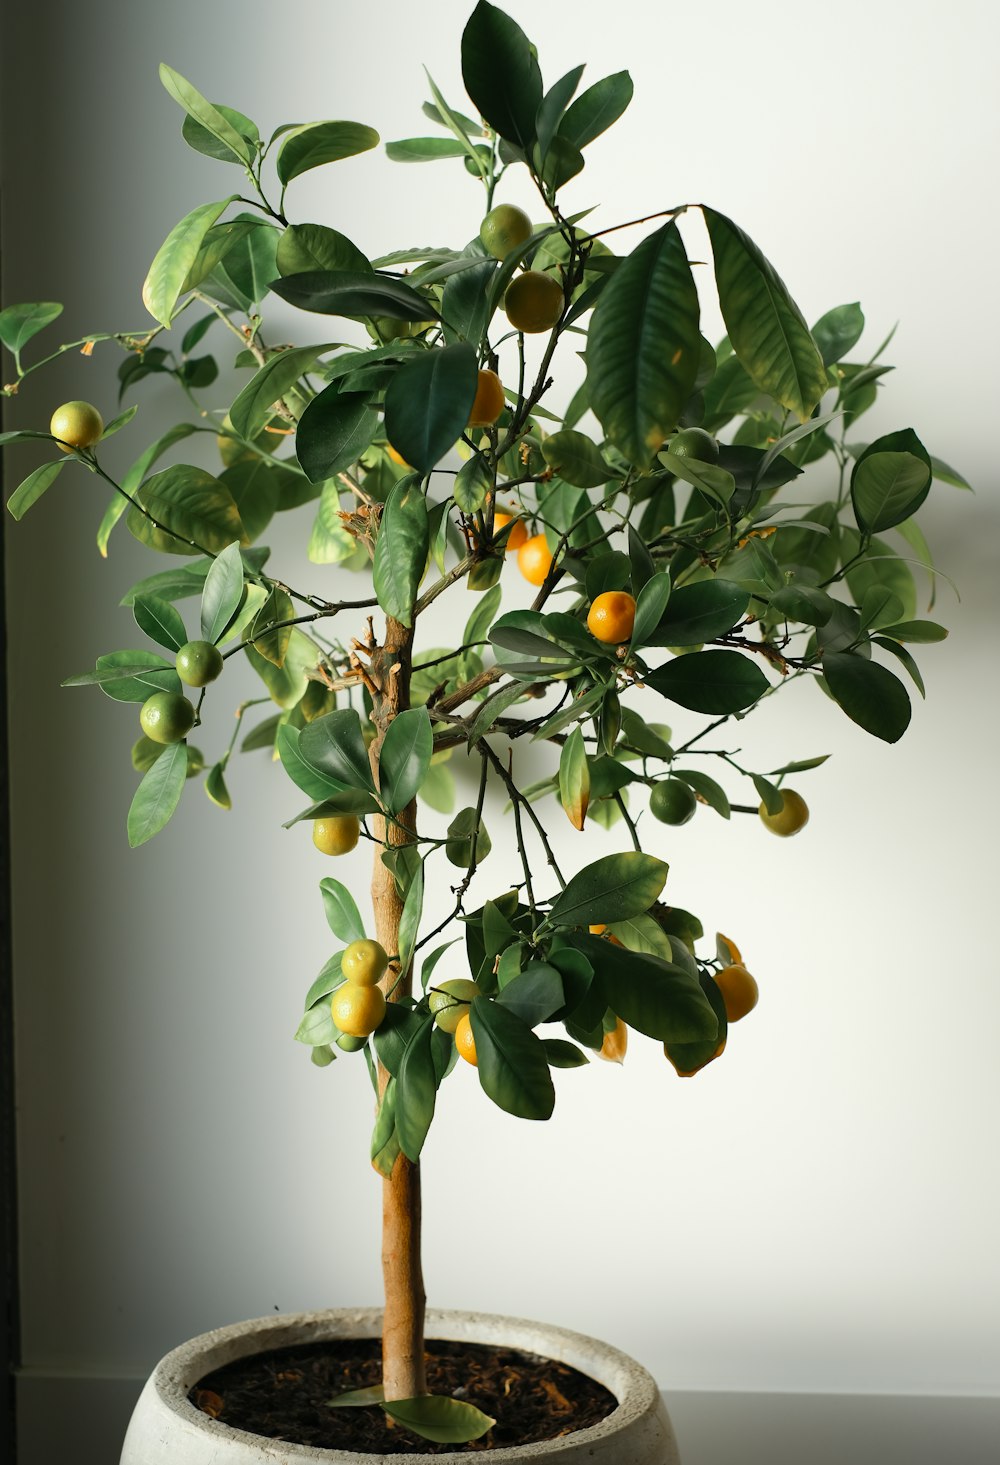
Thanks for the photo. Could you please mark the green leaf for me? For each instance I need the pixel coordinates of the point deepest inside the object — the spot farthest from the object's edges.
(189, 505)
(467, 834)
(869, 694)
(513, 1069)
(416, 1091)
(465, 303)
(334, 745)
(438, 788)
(700, 612)
(206, 115)
(31, 489)
(837, 331)
(576, 459)
(553, 107)
(317, 143)
(401, 550)
(358, 1398)
(134, 476)
(404, 758)
(354, 293)
(718, 682)
(650, 606)
(317, 1025)
(919, 632)
(158, 795)
(342, 914)
(610, 889)
(644, 345)
(890, 481)
(409, 921)
(473, 481)
(198, 137)
(18, 323)
(254, 405)
(173, 260)
(130, 676)
(708, 478)
(333, 432)
(306, 247)
(949, 475)
(428, 402)
(271, 632)
(330, 543)
(765, 326)
(215, 786)
(902, 655)
(501, 74)
(495, 707)
(160, 621)
(596, 109)
(535, 993)
(222, 595)
(318, 785)
(424, 149)
(659, 998)
(713, 793)
(574, 779)
(478, 625)
(437, 1417)
(730, 392)
(561, 1054)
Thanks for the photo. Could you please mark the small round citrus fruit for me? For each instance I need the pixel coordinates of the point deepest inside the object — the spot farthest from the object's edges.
(364, 962)
(612, 616)
(449, 1001)
(464, 1040)
(790, 818)
(518, 531)
(336, 834)
(489, 401)
(166, 717)
(533, 302)
(739, 991)
(615, 1043)
(198, 663)
(504, 228)
(534, 559)
(694, 442)
(672, 802)
(76, 425)
(357, 1010)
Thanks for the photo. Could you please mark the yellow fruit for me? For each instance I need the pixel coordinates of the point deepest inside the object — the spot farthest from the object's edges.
(505, 228)
(76, 425)
(489, 402)
(357, 1010)
(533, 302)
(518, 534)
(464, 1041)
(611, 617)
(364, 962)
(790, 818)
(534, 558)
(615, 1043)
(336, 834)
(739, 991)
(449, 1001)
(599, 929)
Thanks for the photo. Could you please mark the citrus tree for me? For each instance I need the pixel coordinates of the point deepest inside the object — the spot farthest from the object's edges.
(681, 531)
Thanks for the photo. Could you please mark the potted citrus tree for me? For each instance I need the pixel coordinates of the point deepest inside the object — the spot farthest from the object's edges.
(663, 540)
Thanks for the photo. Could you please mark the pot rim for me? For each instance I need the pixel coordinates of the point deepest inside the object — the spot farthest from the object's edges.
(632, 1385)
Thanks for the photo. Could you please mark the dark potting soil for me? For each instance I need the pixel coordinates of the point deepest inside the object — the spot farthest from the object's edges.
(285, 1394)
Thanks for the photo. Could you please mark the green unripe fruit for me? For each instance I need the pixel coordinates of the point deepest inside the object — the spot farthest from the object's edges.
(449, 1001)
(76, 425)
(790, 818)
(672, 802)
(694, 442)
(198, 663)
(505, 228)
(166, 717)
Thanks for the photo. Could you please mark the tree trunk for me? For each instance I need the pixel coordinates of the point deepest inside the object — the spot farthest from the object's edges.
(403, 1373)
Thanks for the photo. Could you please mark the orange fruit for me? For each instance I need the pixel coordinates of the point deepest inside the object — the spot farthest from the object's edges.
(464, 1041)
(518, 534)
(790, 818)
(533, 302)
(615, 1043)
(612, 616)
(534, 558)
(739, 991)
(364, 962)
(489, 402)
(357, 1010)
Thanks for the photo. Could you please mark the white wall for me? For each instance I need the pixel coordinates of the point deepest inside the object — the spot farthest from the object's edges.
(819, 1211)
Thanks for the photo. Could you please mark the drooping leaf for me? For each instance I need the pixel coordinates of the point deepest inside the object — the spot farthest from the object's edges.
(660, 998)
(31, 489)
(428, 402)
(643, 346)
(869, 694)
(158, 795)
(513, 1068)
(468, 839)
(194, 513)
(354, 293)
(416, 1091)
(254, 405)
(18, 323)
(574, 779)
(409, 921)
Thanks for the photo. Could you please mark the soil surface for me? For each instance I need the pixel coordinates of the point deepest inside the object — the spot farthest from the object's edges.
(285, 1395)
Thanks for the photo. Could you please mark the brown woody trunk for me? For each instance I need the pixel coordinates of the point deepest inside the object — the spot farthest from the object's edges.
(403, 1374)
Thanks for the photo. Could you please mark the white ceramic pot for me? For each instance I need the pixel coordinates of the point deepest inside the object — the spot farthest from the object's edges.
(168, 1430)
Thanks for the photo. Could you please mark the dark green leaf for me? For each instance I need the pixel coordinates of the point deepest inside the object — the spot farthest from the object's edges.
(561, 1054)
(501, 74)
(409, 921)
(869, 694)
(465, 303)
(553, 107)
(890, 481)
(513, 1068)
(333, 432)
(416, 1091)
(160, 621)
(428, 402)
(158, 795)
(401, 550)
(902, 655)
(730, 392)
(478, 625)
(576, 459)
(700, 612)
(534, 994)
(643, 346)
(610, 889)
(31, 489)
(659, 998)
(837, 331)
(334, 746)
(718, 682)
(765, 326)
(713, 793)
(354, 293)
(255, 402)
(322, 142)
(404, 758)
(596, 109)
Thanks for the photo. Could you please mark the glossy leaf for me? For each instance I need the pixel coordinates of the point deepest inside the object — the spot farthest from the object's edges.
(194, 513)
(700, 612)
(334, 746)
(158, 795)
(713, 793)
(718, 682)
(836, 332)
(473, 481)
(416, 1092)
(401, 550)
(255, 403)
(576, 459)
(553, 107)
(574, 779)
(333, 432)
(205, 114)
(409, 921)
(316, 784)
(198, 137)
(561, 1054)
(610, 889)
(353, 293)
(534, 994)
(643, 346)
(650, 607)
(404, 758)
(306, 247)
(513, 1069)
(129, 676)
(869, 694)
(465, 303)
(439, 1417)
(468, 838)
(342, 914)
(18, 323)
(317, 143)
(174, 258)
(31, 489)
(222, 595)
(501, 74)
(215, 787)
(765, 326)
(271, 630)
(160, 621)
(659, 998)
(596, 109)
(428, 402)
(890, 481)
